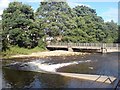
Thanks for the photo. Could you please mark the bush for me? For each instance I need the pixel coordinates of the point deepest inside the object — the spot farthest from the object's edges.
(41, 44)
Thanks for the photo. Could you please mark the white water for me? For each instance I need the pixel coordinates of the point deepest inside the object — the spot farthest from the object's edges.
(53, 67)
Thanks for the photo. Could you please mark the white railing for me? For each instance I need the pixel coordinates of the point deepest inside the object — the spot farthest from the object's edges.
(104, 45)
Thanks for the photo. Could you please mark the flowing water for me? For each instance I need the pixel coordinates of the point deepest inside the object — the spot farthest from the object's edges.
(106, 64)
(26, 75)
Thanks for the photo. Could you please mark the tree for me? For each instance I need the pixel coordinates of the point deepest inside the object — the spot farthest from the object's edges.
(84, 10)
(118, 34)
(55, 18)
(20, 25)
(93, 26)
(112, 31)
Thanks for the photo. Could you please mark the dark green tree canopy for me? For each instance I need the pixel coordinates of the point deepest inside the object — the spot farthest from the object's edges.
(84, 10)
(19, 24)
(22, 27)
(90, 27)
(55, 18)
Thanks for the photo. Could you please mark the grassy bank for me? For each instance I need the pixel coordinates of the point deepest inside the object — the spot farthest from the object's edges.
(15, 50)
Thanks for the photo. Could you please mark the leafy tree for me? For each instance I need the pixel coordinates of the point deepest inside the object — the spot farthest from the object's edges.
(83, 11)
(112, 31)
(118, 34)
(55, 18)
(91, 28)
(20, 25)
(3, 39)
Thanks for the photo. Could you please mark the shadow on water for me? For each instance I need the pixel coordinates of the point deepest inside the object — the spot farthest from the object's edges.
(27, 79)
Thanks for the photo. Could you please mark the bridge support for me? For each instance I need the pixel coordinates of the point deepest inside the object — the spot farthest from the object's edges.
(70, 49)
(103, 50)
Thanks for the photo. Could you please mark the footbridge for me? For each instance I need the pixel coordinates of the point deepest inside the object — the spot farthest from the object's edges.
(99, 47)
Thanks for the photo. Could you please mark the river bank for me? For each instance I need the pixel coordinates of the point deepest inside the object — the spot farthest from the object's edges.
(49, 54)
(46, 54)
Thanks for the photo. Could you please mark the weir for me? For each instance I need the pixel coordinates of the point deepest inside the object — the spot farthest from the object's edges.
(51, 69)
(97, 78)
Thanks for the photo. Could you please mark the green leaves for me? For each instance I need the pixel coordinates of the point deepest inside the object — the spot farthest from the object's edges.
(90, 27)
(22, 27)
(19, 23)
(55, 18)
(83, 11)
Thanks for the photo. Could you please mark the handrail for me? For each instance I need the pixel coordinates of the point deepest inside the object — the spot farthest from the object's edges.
(104, 45)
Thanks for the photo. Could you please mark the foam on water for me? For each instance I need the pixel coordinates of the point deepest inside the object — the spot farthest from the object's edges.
(53, 67)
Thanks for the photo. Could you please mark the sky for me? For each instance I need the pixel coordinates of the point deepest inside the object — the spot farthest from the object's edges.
(107, 9)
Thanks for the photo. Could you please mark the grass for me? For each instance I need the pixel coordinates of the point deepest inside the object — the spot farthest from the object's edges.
(15, 50)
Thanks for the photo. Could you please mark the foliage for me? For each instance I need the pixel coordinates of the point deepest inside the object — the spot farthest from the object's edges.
(20, 25)
(118, 34)
(91, 28)
(24, 28)
(55, 18)
(41, 44)
(112, 31)
(14, 50)
(3, 39)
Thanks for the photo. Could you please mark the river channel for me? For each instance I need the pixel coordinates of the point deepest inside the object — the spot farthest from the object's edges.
(24, 75)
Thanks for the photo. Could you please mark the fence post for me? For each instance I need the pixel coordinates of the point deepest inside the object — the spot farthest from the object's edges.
(69, 47)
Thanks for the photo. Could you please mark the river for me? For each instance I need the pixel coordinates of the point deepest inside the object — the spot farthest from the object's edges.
(22, 77)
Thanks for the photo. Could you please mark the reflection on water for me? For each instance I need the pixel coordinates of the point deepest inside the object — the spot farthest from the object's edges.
(100, 64)
(26, 79)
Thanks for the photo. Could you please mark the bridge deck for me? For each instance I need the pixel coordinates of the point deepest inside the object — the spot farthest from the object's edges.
(110, 47)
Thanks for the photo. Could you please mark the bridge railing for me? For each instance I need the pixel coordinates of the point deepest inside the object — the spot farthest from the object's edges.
(104, 45)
